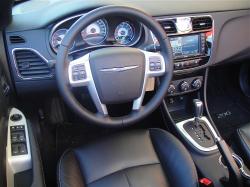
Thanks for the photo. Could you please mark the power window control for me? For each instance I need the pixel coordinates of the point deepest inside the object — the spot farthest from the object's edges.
(19, 149)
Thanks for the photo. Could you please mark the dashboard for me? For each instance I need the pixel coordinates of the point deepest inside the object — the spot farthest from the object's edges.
(199, 36)
(111, 31)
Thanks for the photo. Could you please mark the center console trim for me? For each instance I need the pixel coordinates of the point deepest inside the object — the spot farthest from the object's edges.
(180, 126)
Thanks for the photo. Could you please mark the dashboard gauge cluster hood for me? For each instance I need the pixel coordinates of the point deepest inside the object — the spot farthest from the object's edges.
(5, 12)
(43, 12)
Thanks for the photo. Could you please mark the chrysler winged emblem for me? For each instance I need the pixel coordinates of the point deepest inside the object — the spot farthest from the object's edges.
(118, 69)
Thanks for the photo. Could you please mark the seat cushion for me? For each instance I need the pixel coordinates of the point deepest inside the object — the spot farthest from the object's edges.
(142, 158)
(243, 135)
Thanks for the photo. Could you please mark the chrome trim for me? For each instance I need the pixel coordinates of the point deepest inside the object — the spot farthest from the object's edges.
(16, 66)
(180, 127)
(240, 164)
(78, 16)
(137, 103)
(89, 82)
(119, 69)
(18, 163)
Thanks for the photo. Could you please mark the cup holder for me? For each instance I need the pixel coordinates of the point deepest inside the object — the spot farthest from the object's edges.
(245, 173)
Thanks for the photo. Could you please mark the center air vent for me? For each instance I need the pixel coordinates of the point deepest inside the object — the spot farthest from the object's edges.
(168, 26)
(16, 39)
(202, 23)
(31, 65)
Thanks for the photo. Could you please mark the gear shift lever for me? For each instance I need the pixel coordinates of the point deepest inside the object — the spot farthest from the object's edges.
(198, 110)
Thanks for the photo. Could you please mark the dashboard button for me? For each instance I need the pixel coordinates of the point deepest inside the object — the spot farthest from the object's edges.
(171, 89)
(196, 84)
(184, 86)
(15, 117)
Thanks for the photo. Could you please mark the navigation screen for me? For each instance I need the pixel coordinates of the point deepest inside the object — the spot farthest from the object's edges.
(185, 45)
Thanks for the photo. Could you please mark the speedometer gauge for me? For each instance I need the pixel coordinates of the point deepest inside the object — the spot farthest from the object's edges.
(95, 33)
(124, 33)
(57, 37)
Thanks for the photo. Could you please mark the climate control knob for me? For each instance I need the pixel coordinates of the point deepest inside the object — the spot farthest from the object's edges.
(196, 84)
(184, 86)
(171, 89)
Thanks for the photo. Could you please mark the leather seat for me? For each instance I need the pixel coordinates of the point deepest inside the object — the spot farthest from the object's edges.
(243, 135)
(142, 158)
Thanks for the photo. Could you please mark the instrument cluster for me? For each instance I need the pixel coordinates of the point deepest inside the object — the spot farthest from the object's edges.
(112, 31)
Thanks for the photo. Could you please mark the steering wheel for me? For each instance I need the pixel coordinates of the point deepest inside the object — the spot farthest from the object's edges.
(114, 75)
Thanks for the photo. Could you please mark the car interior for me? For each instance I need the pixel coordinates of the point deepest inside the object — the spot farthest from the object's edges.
(121, 93)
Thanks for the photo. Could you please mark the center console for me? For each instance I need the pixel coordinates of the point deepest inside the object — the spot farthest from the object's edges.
(191, 39)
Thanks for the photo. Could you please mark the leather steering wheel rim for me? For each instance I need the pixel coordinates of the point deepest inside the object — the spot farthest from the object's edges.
(62, 66)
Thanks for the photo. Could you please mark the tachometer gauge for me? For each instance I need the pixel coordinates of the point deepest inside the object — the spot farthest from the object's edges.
(57, 37)
(124, 33)
(95, 33)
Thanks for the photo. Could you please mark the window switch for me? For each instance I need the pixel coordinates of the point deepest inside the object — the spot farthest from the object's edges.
(15, 150)
(23, 149)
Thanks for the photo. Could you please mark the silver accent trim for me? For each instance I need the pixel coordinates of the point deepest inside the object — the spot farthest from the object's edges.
(240, 164)
(19, 163)
(180, 127)
(119, 69)
(16, 66)
(137, 103)
(78, 16)
(89, 82)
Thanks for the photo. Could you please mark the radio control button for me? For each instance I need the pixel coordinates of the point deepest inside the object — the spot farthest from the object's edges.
(178, 65)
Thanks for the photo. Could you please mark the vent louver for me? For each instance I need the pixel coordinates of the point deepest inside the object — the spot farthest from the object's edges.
(16, 39)
(202, 23)
(31, 65)
(168, 26)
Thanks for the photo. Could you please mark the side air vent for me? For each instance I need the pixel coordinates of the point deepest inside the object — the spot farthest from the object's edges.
(168, 26)
(16, 39)
(202, 23)
(31, 65)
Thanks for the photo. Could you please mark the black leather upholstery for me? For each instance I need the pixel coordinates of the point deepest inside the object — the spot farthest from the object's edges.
(143, 158)
(243, 135)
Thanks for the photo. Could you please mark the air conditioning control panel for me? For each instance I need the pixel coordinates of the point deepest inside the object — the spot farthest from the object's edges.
(184, 86)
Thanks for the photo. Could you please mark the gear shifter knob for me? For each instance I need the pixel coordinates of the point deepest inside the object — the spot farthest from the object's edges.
(198, 108)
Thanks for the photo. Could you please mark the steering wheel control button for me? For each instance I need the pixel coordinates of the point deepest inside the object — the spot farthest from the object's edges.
(15, 117)
(155, 63)
(78, 72)
(184, 86)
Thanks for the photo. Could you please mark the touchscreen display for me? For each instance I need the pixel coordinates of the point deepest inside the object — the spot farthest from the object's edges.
(185, 45)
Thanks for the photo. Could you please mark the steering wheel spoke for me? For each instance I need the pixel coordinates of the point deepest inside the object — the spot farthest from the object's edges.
(154, 67)
(80, 75)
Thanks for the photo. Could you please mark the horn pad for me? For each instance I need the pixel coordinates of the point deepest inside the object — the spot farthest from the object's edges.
(118, 73)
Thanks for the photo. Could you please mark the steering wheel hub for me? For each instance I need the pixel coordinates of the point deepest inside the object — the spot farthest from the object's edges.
(118, 73)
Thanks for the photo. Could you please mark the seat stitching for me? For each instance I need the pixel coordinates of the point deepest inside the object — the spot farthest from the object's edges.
(123, 170)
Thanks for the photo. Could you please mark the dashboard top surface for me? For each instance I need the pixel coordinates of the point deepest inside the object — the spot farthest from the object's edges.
(47, 11)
